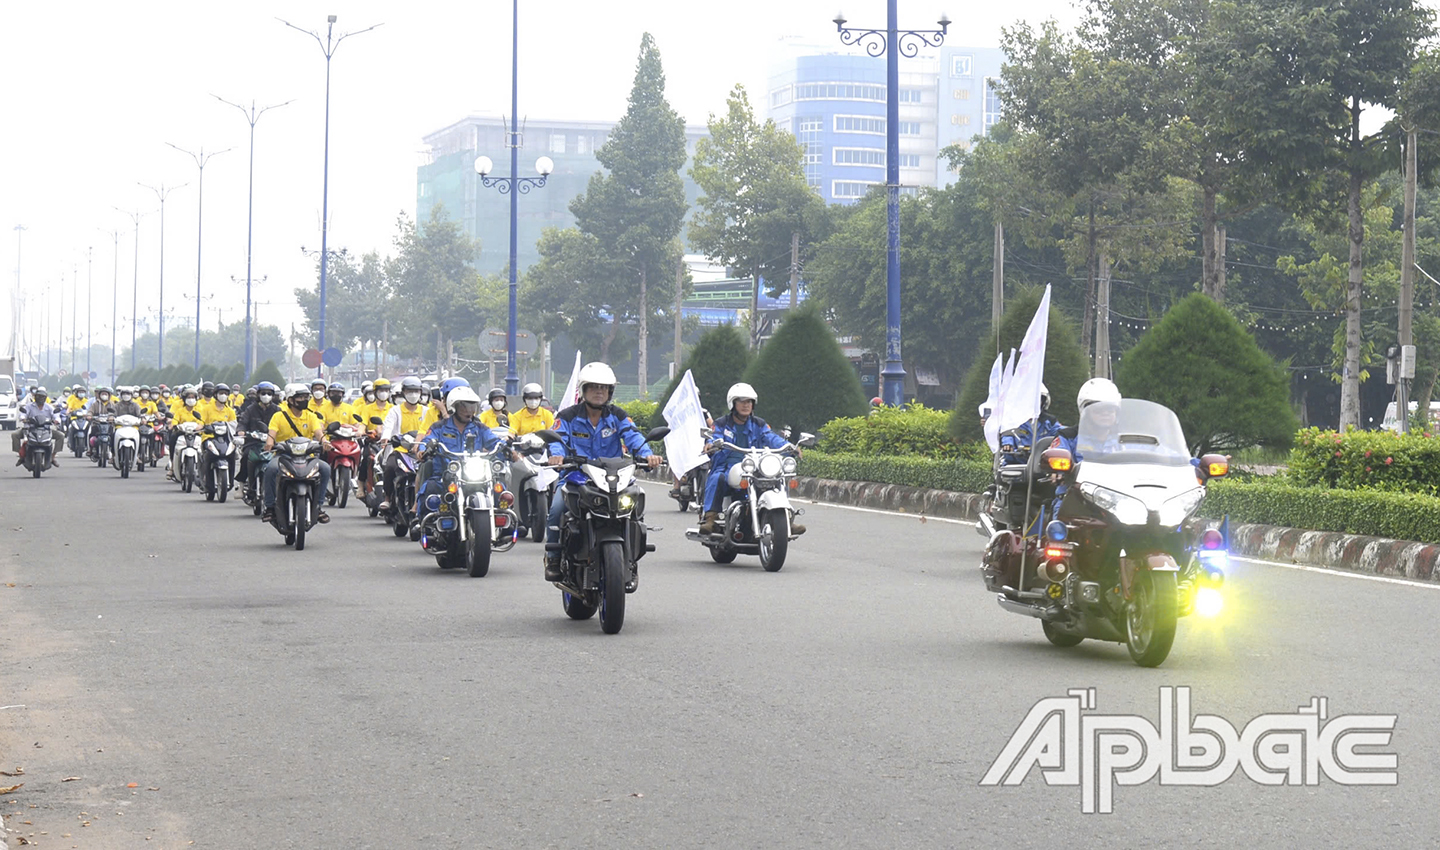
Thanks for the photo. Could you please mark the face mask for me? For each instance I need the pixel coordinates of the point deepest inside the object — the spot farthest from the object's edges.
(165, 395)
(369, 397)
(498, 404)
(144, 396)
(124, 396)
(299, 403)
(222, 397)
(383, 395)
(336, 399)
(266, 398)
(318, 395)
(191, 402)
(532, 403)
(413, 398)
(80, 395)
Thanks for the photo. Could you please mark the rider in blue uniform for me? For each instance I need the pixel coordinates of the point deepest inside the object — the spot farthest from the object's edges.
(743, 428)
(594, 428)
(452, 432)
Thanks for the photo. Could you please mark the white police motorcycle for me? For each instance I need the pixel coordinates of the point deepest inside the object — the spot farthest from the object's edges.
(760, 521)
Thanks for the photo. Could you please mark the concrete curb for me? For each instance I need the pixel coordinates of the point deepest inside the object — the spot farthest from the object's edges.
(1330, 549)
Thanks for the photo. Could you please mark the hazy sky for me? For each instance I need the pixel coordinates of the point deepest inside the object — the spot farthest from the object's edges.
(94, 90)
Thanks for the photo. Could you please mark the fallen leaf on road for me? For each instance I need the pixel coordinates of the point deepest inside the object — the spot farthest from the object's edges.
(70, 779)
(133, 785)
(19, 771)
(152, 789)
(12, 788)
(38, 745)
(637, 794)
(9, 584)
(922, 518)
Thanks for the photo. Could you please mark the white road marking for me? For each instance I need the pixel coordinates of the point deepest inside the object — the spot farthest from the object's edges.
(801, 501)
(1342, 573)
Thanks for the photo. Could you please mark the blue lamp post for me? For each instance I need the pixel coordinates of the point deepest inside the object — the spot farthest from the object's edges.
(328, 47)
(897, 42)
(514, 186)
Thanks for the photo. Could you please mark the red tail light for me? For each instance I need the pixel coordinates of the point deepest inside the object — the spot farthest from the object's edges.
(1212, 539)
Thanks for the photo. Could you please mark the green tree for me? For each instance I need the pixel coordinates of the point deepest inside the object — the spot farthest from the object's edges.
(635, 207)
(802, 377)
(268, 371)
(718, 360)
(754, 196)
(569, 291)
(1199, 362)
(433, 275)
(1065, 368)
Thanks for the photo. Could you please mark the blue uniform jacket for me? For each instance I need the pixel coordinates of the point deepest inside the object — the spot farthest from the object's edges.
(753, 433)
(603, 439)
(448, 433)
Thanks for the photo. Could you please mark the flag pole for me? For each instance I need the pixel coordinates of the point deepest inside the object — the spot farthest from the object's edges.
(1029, 491)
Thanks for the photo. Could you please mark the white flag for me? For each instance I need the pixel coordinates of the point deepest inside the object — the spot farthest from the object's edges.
(994, 397)
(572, 389)
(992, 425)
(685, 445)
(1022, 396)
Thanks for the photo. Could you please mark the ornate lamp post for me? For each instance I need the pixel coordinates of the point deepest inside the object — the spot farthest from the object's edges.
(897, 42)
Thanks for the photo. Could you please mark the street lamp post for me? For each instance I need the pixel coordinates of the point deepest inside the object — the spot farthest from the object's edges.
(89, 309)
(114, 297)
(897, 42)
(200, 159)
(162, 193)
(74, 312)
(15, 309)
(251, 117)
(134, 293)
(514, 186)
(328, 47)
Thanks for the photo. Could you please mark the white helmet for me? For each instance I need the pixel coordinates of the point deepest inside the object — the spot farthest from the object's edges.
(1097, 390)
(596, 373)
(460, 395)
(293, 389)
(740, 390)
(1044, 397)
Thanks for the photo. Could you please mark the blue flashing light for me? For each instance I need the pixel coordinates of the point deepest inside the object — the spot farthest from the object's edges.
(1056, 530)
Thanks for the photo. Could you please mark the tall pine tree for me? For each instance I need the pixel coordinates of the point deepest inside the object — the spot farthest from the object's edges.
(635, 207)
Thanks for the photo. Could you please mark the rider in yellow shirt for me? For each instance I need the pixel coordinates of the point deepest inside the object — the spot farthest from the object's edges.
(76, 401)
(376, 406)
(294, 420)
(188, 410)
(334, 409)
(494, 415)
(532, 417)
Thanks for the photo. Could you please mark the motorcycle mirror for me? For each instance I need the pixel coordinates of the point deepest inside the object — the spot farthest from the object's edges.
(548, 436)
(657, 433)
(375, 420)
(806, 440)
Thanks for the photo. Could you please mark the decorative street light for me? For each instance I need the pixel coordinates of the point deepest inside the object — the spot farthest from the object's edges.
(15, 304)
(514, 186)
(162, 193)
(907, 43)
(328, 47)
(200, 159)
(134, 294)
(251, 116)
(114, 295)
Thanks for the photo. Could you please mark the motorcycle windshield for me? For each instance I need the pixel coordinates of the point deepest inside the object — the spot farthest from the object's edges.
(1134, 431)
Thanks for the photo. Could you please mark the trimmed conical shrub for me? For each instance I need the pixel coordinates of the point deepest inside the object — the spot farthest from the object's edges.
(802, 377)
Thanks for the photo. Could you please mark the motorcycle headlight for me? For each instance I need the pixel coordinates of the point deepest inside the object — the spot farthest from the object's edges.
(454, 467)
(789, 465)
(747, 466)
(770, 466)
(475, 469)
(1127, 509)
(627, 502)
(498, 467)
(1175, 510)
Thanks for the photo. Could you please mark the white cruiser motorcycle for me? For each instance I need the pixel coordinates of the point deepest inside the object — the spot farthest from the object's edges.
(127, 443)
(759, 522)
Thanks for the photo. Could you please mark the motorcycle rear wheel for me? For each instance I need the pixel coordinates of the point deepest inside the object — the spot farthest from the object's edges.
(1150, 617)
(575, 607)
(612, 587)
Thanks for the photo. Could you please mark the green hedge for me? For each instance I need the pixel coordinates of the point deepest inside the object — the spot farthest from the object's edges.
(916, 431)
(645, 414)
(965, 476)
(1377, 460)
(1377, 513)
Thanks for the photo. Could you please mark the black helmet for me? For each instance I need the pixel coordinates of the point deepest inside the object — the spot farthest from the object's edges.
(207, 389)
(494, 394)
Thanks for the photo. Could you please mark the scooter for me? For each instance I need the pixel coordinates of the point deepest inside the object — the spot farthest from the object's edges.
(255, 460)
(344, 460)
(760, 521)
(691, 489)
(77, 429)
(185, 464)
(534, 480)
(37, 446)
(102, 429)
(219, 460)
(401, 516)
(297, 490)
(127, 443)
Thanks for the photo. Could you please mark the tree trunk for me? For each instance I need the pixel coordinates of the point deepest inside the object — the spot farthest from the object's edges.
(997, 277)
(1086, 324)
(609, 337)
(1209, 250)
(755, 310)
(643, 365)
(439, 352)
(1350, 377)
(677, 356)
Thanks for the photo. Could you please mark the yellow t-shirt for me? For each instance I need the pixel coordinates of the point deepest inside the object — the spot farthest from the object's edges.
(523, 421)
(310, 424)
(74, 403)
(342, 412)
(182, 414)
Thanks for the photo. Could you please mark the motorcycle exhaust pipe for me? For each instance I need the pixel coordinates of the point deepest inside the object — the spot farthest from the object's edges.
(1021, 607)
(985, 527)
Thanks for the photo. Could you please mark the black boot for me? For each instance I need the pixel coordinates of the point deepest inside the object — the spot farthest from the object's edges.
(553, 571)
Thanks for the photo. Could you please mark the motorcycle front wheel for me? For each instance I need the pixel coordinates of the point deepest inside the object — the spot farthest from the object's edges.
(222, 481)
(1150, 617)
(774, 539)
(477, 548)
(187, 475)
(612, 587)
(539, 516)
(342, 489)
(124, 462)
(298, 520)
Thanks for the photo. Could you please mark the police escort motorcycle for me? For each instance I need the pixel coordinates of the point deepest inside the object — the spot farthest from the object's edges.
(473, 515)
(759, 522)
(1113, 561)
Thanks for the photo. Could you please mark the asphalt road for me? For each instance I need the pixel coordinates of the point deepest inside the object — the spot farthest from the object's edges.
(354, 695)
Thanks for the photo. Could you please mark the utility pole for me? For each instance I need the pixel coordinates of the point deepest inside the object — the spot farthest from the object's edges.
(643, 365)
(997, 281)
(1102, 321)
(679, 302)
(794, 269)
(15, 301)
(1407, 290)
